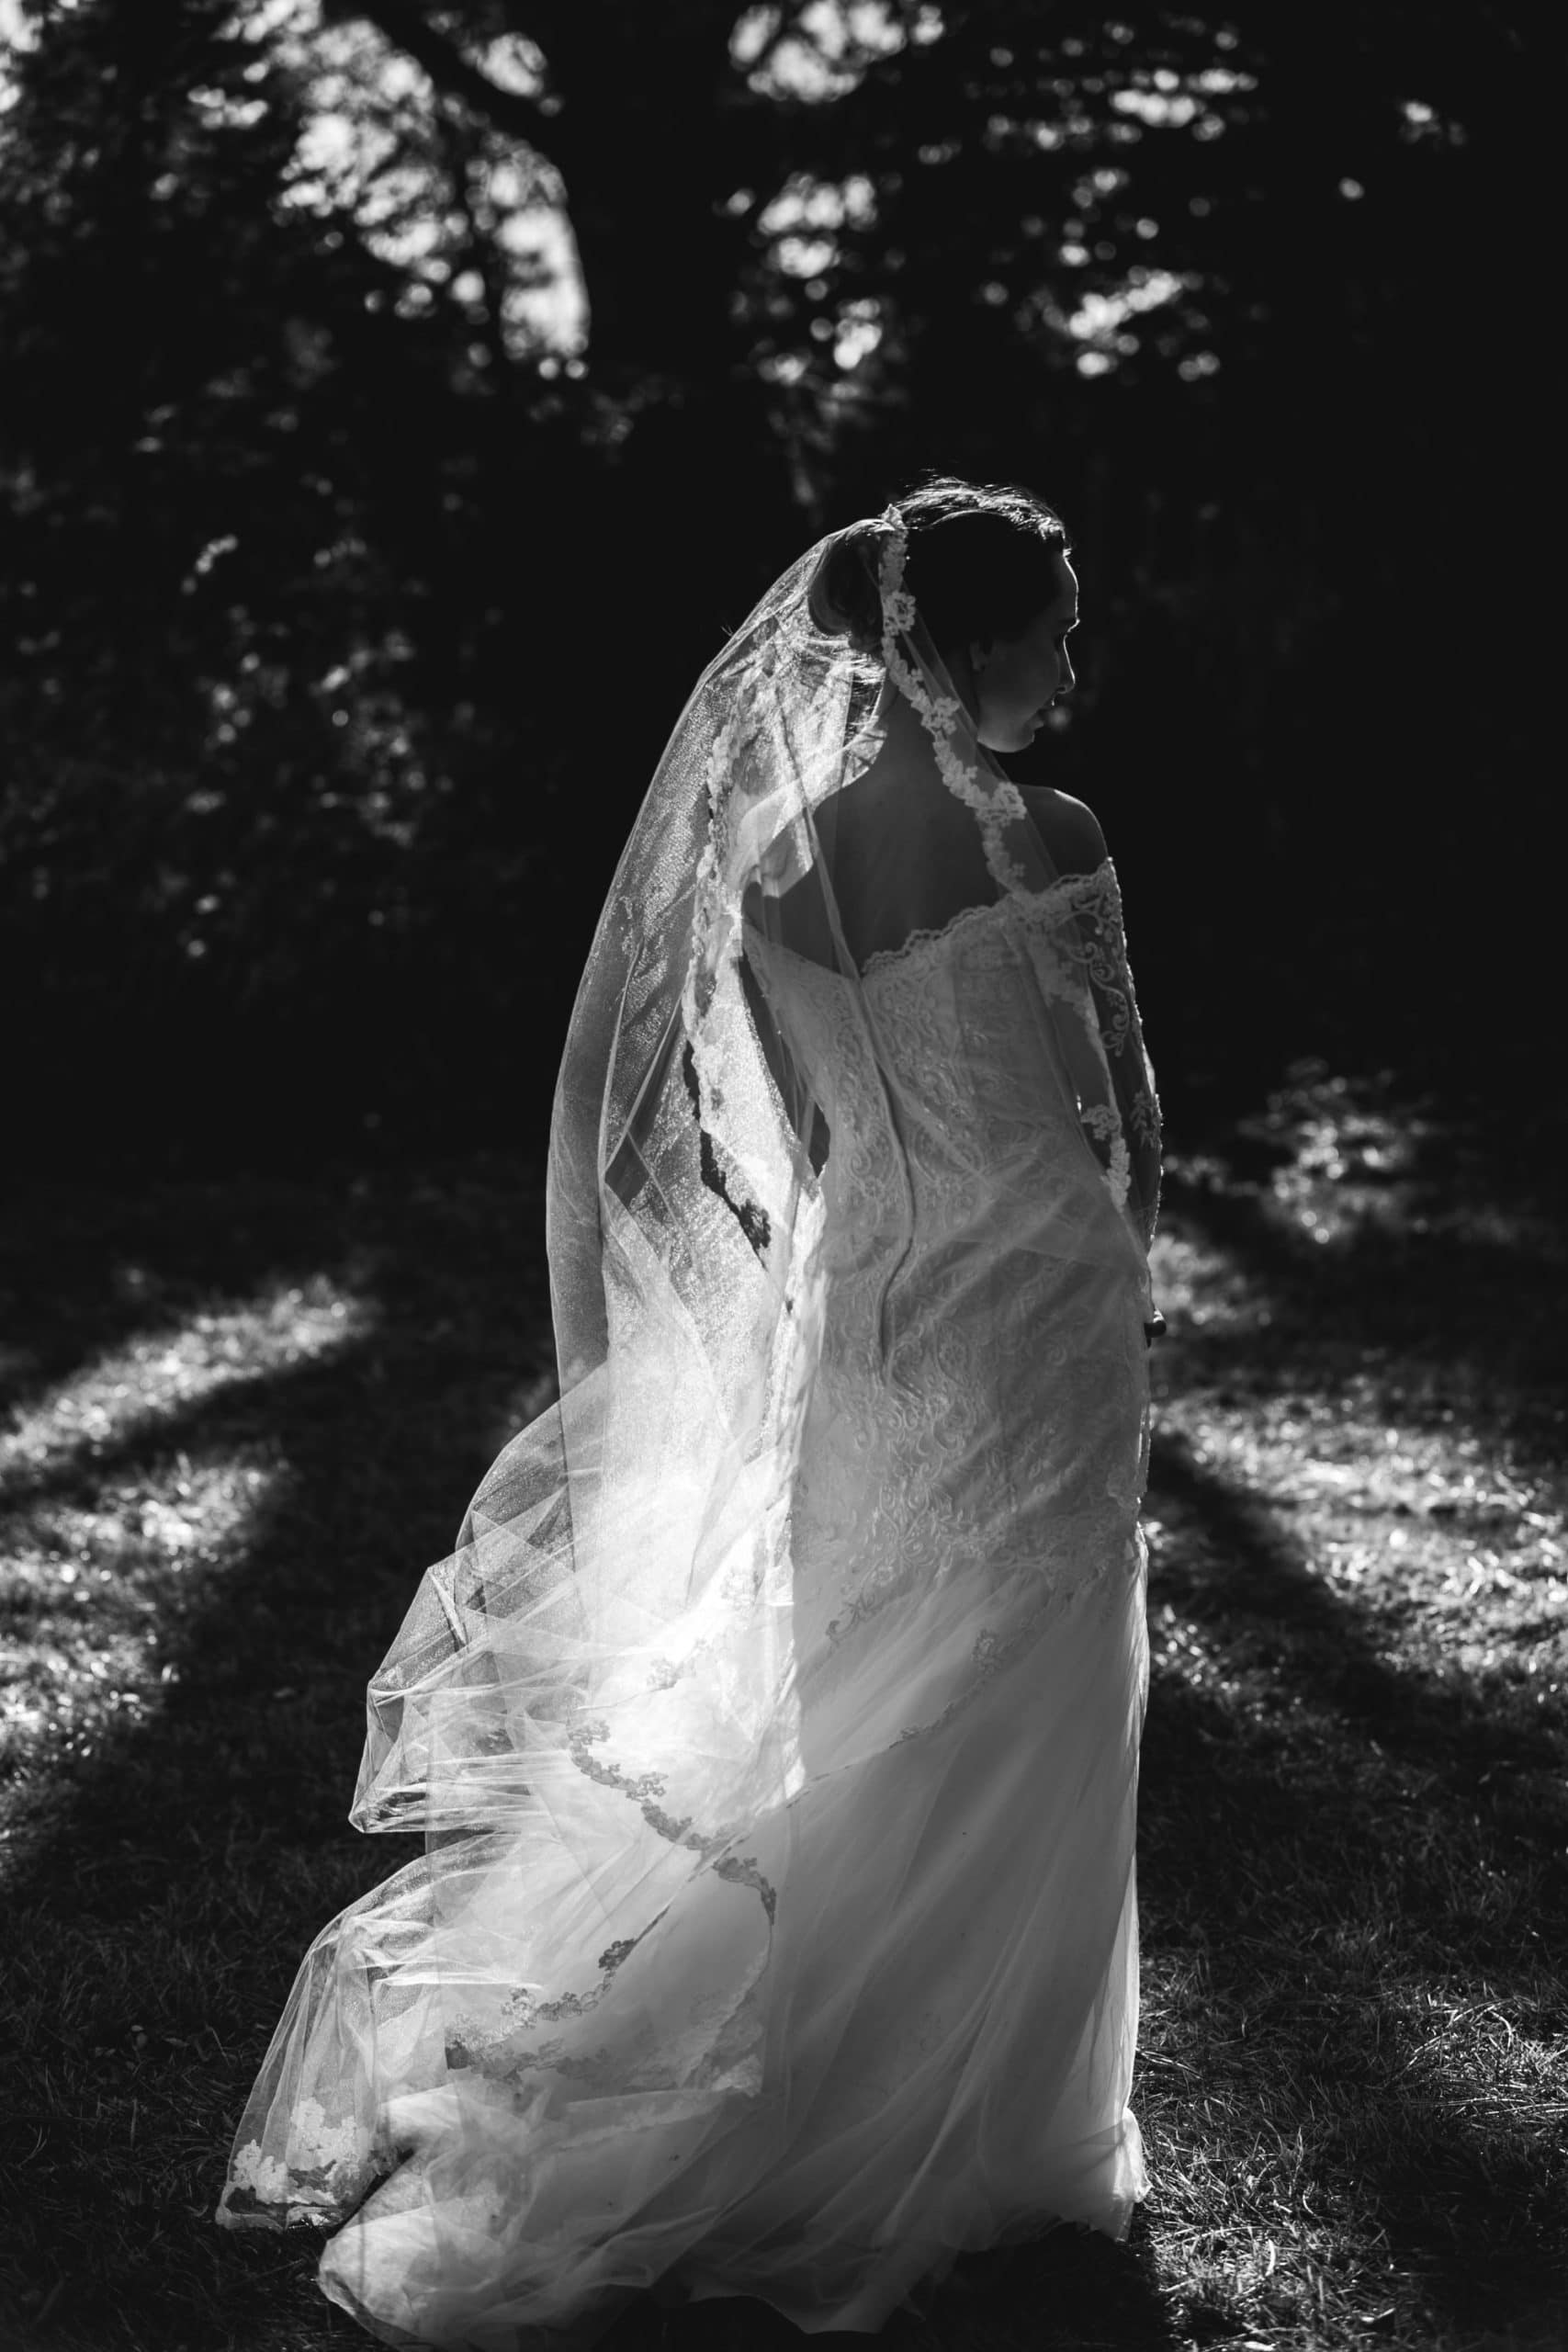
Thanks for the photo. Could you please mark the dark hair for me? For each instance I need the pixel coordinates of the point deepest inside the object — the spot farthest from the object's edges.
(981, 565)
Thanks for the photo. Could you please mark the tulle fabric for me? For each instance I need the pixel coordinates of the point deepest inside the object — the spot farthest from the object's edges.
(774, 1724)
(929, 2048)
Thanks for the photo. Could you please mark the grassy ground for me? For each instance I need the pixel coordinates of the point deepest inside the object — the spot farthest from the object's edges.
(244, 1415)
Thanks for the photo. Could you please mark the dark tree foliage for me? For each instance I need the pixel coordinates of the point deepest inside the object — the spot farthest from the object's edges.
(353, 576)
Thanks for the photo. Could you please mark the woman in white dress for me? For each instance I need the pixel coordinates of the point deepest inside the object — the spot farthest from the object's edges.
(775, 1723)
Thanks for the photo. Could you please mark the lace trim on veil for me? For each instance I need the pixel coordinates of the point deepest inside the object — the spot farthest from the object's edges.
(995, 807)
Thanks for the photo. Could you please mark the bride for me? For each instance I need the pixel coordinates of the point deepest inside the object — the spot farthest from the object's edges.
(775, 1723)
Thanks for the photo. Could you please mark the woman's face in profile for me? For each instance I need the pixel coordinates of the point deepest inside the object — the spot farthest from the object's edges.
(1016, 679)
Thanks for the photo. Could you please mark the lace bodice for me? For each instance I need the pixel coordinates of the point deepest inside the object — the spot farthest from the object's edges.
(999, 1056)
(982, 1391)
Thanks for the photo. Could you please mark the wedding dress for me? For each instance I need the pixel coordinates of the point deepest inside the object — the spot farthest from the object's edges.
(776, 1723)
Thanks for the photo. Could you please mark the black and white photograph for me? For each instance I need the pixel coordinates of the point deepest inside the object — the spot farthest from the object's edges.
(739, 1603)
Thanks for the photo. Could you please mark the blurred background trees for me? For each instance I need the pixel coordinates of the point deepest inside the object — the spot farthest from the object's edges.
(400, 401)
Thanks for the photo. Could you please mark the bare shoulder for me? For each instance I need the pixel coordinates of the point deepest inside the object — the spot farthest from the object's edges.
(1069, 829)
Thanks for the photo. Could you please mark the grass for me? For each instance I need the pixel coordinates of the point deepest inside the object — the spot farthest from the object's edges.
(243, 1416)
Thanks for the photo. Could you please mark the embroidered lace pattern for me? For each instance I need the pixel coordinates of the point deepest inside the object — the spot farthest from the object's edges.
(1073, 933)
(1004, 1436)
(327, 2165)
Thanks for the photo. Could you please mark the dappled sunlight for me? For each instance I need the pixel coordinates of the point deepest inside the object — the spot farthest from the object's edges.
(1352, 2024)
(824, 50)
(1352, 1255)
(113, 1532)
(1100, 316)
(1162, 100)
(1338, 1160)
(1353, 1806)
(470, 214)
(1448, 1565)
(123, 1394)
(1324, 1405)
(1319, 2083)
(1347, 1160)
(1201, 1284)
(91, 1596)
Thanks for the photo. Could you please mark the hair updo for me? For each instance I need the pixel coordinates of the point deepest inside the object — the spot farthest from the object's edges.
(982, 564)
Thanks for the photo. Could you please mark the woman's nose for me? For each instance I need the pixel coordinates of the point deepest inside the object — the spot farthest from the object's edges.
(1069, 678)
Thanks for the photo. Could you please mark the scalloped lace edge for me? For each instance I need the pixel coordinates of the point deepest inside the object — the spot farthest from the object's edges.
(1065, 885)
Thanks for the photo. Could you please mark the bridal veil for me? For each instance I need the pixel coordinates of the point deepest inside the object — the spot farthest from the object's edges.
(555, 2025)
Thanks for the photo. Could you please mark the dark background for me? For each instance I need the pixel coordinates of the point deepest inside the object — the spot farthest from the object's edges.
(355, 561)
(358, 559)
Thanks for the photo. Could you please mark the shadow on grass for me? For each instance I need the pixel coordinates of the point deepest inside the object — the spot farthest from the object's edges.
(170, 1879)
(166, 1880)
(1359, 1834)
(1429, 1257)
(1348, 1841)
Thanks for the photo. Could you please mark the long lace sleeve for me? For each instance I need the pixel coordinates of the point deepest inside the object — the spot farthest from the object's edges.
(1081, 964)
(1131, 1076)
(1130, 1124)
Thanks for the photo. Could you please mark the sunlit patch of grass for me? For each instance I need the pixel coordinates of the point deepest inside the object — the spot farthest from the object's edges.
(1355, 2037)
(108, 1540)
(1354, 1826)
(122, 1395)
(245, 1416)
(91, 1595)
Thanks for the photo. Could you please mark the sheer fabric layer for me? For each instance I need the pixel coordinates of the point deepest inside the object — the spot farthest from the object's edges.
(774, 1724)
(888, 2012)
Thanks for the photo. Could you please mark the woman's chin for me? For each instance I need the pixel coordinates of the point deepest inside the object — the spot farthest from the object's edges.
(1002, 741)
